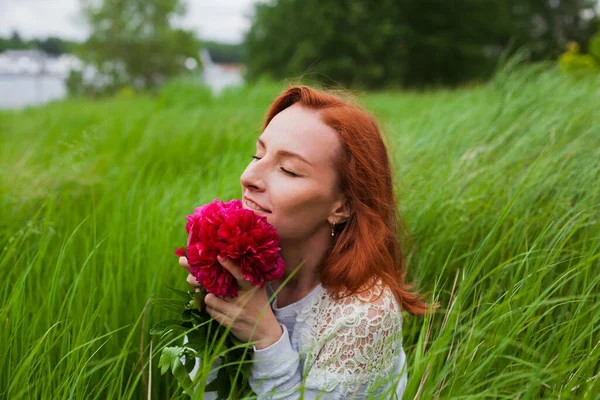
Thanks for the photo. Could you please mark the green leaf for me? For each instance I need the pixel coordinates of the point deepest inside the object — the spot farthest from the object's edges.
(180, 373)
(225, 385)
(166, 325)
(199, 300)
(186, 315)
(190, 363)
(181, 293)
(168, 304)
(167, 357)
(201, 316)
(213, 386)
(170, 358)
(220, 384)
(197, 340)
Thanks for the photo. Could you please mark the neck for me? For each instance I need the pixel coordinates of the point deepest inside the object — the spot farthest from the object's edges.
(311, 252)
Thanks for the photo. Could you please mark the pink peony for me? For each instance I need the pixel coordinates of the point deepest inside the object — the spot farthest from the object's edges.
(229, 230)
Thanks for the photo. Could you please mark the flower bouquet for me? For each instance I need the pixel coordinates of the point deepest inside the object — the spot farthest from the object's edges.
(217, 229)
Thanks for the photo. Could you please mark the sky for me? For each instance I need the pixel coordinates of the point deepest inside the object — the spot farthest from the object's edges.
(219, 20)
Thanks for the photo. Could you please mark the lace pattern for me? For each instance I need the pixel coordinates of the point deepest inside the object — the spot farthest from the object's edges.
(351, 343)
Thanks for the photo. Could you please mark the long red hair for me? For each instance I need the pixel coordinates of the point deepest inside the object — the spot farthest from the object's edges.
(368, 244)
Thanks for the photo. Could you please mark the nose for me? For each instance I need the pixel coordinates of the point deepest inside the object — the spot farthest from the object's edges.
(251, 178)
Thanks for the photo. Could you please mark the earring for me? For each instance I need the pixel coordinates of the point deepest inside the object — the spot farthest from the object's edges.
(332, 229)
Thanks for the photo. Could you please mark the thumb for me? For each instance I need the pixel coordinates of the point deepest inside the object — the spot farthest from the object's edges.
(235, 270)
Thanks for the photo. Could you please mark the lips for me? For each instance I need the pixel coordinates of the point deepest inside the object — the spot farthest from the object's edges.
(250, 200)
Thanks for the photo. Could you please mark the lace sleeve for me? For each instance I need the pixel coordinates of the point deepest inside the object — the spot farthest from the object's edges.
(355, 342)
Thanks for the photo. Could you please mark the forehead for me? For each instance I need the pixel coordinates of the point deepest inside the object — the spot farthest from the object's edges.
(300, 130)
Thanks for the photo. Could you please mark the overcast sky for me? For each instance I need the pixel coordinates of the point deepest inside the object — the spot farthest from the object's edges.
(220, 20)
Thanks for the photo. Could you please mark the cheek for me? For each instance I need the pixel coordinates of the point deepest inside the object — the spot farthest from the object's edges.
(297, 197)
(300, 208)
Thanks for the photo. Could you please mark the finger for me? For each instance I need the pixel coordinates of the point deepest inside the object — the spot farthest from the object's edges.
(192, 281)
(235, 270)
(231, 266)
(218, 316)
(220, 305)
(246, 295)
(183, 262)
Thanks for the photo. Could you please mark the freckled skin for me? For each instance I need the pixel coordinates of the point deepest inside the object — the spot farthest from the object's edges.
(301, 205)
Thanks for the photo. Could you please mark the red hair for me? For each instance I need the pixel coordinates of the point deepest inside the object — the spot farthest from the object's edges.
(368, 244)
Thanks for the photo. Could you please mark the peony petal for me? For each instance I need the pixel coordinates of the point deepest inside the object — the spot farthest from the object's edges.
(229, 229)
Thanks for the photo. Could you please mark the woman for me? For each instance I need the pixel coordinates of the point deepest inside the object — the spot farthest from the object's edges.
(321, 176)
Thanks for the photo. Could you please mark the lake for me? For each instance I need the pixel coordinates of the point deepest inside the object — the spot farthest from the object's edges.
(17, 91)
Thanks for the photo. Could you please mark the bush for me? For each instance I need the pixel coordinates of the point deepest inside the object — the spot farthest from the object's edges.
(574, 63)
(594, 47)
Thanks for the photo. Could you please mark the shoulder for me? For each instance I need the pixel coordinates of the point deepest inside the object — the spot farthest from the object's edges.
(374, 305)
(372, 295)
(354, 340)
(371, 309)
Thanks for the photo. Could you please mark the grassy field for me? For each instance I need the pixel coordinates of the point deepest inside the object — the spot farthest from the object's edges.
(499, 184)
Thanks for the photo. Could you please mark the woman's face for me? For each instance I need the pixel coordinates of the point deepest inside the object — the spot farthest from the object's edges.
(297, 206)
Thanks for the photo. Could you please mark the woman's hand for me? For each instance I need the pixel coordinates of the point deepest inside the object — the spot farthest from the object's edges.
(243, 312)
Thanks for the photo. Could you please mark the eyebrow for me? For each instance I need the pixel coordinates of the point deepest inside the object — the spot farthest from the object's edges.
(285, 153)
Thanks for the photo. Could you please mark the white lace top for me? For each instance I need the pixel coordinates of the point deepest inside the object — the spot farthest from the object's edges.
(334, 349)
(345, 349)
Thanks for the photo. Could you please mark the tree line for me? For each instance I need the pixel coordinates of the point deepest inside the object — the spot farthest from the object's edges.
(356, 43)
(51, 45)
(361, 43)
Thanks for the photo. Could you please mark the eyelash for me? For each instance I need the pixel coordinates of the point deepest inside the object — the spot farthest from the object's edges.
(283, 169)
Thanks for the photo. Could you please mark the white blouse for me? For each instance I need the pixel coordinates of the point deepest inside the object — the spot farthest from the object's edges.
(345, 349)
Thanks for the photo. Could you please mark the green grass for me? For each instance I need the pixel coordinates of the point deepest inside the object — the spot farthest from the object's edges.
(499, 184)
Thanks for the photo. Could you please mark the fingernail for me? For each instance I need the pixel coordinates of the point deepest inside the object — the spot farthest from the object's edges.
(220, 258)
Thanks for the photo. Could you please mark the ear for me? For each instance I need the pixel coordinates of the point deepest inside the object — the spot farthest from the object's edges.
(341, 211)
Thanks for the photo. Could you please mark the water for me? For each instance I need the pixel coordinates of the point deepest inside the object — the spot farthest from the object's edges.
(18, 91)
(24, 83)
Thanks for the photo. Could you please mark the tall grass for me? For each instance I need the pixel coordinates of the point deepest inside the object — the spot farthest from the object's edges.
(499, 184)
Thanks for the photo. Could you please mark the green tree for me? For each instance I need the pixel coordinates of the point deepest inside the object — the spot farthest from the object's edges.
(16, 39)
(133, 42)
(449, 42)
(55, 46)
(51, 45)
(362, 44)
(594, 47)
(224, 52)
(351, 42)
(409, 42)
(547, 26)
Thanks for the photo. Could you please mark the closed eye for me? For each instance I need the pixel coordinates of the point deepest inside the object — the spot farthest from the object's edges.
(283, 169)
(289, 172)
